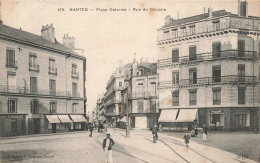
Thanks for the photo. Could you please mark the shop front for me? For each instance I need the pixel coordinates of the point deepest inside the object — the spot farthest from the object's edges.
(12, 124)
(78, 122)
(65, 124)
(241, 120)
(53, 123)
(216, 119)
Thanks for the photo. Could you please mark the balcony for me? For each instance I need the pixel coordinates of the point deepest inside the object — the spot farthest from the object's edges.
(53, 71)
(152, 94)
(34, 67)
(234, 79)
(227, 54)
(112, 101)
(138, 95)
(11, 64)
(28, 91)
(119, 88)
(75, 75)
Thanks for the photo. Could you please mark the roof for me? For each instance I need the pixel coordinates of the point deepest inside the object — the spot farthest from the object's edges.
(146, 64)
(23, 36)
(195, 18)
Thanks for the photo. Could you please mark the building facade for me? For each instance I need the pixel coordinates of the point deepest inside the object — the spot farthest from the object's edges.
(42, 84)
(209, 71)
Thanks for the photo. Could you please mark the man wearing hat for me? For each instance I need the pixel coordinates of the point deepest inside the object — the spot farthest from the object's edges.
(107, 147)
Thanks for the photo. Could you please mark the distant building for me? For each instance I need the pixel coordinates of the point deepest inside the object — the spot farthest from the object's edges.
(42, 83)
(209, 71)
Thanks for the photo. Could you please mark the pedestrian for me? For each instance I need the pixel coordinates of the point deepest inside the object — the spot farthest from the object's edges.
(154, 132)
(192, 133)
(91, 130)
(204, 133)
(196, 131)
(107, 147)
(186, 137)
(218, 124)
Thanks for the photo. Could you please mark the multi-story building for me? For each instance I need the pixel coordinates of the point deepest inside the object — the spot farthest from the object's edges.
(144, 95)
(101, 108)
(209, 71)
(42, 83)
(113, 94)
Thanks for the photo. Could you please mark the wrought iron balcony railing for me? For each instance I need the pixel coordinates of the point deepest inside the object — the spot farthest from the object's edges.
(11, 63)
(75, 75)
(53, 71)
(34, 67)
(210, 80)
(210, 56)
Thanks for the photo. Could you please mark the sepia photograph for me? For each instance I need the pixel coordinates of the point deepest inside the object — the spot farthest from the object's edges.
(130, 81)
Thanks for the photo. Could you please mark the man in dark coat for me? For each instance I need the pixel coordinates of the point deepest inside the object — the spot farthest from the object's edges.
(154, 132)
(186, 138)
(91, 130)
(107, 147)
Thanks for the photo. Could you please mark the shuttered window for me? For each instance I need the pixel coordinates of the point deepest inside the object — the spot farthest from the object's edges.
(241, 95)
(175, 55)
(175, 98)
(33, 84)
(192, 53)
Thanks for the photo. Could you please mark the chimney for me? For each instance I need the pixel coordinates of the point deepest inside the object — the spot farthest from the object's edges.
(68, 41)
(48, 33)
(243, 9)
(134, 67)
(168, 19)
(210, 12)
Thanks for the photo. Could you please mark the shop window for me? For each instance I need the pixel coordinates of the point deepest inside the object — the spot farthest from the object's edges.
(72, 126)
(12, 106)
(35, 106)
(241, 95)
(216, 74)
(175, 98)
(140, 107)
(214, 118)
(53, 107)
(62, 126)
(193, 97)
(216, 96)
(77, 125)
(240, 119)
(49, 126)
(175, 55)
(192, 53)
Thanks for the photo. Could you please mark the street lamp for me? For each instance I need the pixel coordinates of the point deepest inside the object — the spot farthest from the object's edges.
(127, 109)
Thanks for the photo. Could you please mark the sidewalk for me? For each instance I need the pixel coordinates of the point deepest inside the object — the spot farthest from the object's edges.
(140, 144)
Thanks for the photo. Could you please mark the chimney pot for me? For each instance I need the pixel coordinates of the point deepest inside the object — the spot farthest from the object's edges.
(210, 12)
(48, 33)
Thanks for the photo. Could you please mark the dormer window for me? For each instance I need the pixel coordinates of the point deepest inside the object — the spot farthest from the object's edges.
(174, 33)
(216, 25)
(192, 29)
(183, 31)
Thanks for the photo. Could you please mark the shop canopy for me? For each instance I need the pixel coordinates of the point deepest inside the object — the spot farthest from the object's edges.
(64, 118)
(53, 118)
(78, 118)
(187, 115)
(168, 115)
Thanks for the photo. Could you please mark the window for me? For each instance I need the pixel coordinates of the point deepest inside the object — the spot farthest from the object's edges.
(183, 31)
(216, 26)
(74, 69)
(216, 50)
(153, 107)
(175, 55)
(120, 109)
(120, 71)
(192, 76)
(192, 30)
(216, 74)
(240, 119)
(33, 84)
(33, 63)
(74, 107)
(140, 108)
(139, 88)
(77, 125)
(175, 98)
(175, 77)
(52, 84)
(193, 97)
(11, 80)
(241, 72)
(174, 33)
(35, 106)
(12, 106)
(52, 66)
(216, 96)
(192, 53)
(241, 95)
(10, 58)
(153, 89)
(241, 48)
(53, 107)
(74, 89)
(120, 84)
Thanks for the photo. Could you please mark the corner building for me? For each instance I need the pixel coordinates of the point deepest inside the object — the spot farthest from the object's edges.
(209, 71)
(42, 83)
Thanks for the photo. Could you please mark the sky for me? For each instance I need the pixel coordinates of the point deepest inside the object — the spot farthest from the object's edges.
(108, 36)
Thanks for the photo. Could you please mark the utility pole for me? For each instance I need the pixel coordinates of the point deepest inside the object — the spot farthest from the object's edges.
(127, 107)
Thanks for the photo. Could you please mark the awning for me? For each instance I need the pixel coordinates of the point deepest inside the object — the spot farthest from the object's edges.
(64, 118)
(123, 119)
(53, 118)
(168, 115)
(187, 115)
(78, 118)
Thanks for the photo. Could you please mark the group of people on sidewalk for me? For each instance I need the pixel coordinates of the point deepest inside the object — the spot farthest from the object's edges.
(194, 133)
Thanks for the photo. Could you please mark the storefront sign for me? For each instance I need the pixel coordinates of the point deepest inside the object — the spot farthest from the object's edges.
(216, 111)
(12, 116)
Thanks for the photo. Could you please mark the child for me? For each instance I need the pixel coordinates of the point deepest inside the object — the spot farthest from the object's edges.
(186, 138)
(196, 131)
